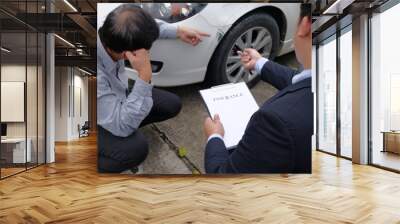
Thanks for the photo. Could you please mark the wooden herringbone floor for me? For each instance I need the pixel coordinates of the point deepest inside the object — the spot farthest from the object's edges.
(71, 191)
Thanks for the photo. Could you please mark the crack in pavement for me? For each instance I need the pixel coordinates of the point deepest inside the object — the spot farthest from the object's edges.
(172, 146)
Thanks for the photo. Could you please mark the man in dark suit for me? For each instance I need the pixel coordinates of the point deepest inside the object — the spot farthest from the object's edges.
(278, 136)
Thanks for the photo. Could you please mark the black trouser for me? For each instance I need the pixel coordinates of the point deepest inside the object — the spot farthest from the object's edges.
(116, 154)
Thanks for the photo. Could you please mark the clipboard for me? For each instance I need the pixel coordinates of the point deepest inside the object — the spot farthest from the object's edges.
(235, 105)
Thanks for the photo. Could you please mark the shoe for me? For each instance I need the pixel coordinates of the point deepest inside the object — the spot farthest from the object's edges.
(129, 171)
(134, 170)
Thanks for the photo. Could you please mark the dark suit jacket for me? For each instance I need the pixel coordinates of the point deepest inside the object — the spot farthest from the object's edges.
(278, 136)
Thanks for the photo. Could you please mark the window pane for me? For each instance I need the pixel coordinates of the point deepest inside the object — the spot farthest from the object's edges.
(14, 153)
(346, 94)
(314, 73)
(41, 98)
(385, 84)
(327, 97)
(31, 97)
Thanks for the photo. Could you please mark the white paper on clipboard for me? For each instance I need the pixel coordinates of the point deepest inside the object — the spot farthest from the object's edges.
(235, 105)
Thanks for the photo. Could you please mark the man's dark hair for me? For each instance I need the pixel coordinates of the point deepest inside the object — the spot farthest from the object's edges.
(128, 28)
(305, 11)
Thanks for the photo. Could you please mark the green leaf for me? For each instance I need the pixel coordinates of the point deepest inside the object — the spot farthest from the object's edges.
(182, 152)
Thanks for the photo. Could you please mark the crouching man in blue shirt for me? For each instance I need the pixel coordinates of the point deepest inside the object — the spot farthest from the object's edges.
(128, 33)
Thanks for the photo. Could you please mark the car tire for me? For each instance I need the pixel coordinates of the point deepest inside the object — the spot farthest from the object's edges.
(218, 67)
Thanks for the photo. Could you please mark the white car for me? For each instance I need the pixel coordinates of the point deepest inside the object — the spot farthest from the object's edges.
(268, 27)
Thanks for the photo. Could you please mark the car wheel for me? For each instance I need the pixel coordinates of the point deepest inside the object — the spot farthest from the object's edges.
(259, 31)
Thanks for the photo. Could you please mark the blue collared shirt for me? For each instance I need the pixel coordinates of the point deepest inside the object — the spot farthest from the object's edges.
(119, 111)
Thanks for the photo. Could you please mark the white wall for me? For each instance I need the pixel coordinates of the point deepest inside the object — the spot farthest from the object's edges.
(79, 117)
(70, 83)
(17, 72)
(14, 72)
(33, 126)
(61, 103)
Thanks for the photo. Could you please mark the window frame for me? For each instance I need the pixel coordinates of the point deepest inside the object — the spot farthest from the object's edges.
(335, 36)
(378, 10)
(27, 29)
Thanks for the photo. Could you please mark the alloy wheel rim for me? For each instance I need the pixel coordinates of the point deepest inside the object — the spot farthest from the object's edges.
(258, 38)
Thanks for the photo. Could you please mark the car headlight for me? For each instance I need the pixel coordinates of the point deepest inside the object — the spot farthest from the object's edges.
(172, 12)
